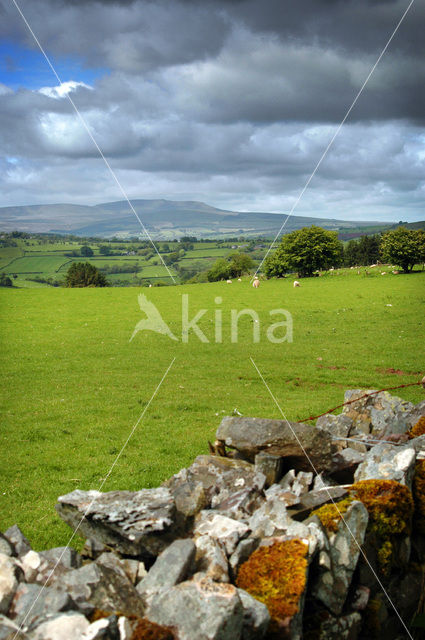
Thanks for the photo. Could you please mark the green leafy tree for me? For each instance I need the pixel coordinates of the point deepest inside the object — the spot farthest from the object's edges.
(403, 247)
(219, 271)
(86, 251)
(104, 250)
(5, 281)
(305, 251)
(84, 274)
(240, 263)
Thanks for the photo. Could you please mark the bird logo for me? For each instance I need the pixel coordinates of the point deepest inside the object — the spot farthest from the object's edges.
(153, 320)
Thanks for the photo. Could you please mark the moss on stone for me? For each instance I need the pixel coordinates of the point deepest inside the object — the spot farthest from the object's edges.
(418, 429)
(331, 514)
(276, 575)
(390, 507)
(419, 496)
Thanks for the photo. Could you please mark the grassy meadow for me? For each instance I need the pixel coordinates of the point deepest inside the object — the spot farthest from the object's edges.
(73, 385)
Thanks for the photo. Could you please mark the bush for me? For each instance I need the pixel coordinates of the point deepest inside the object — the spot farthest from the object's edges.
(84, 274)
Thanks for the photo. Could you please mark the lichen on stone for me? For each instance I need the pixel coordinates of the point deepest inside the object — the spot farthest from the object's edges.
(418, 429)
(331, 514)
(419, 496)
(276, 575)
(390, 506)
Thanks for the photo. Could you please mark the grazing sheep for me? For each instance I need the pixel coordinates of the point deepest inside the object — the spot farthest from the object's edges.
(396, 273)
(256, 283)
(383, 273)
(373, 265)
(239, 279)
(296, 283)
(229, 281)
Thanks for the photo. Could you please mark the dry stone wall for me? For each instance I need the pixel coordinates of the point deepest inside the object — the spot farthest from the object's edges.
(286, 531)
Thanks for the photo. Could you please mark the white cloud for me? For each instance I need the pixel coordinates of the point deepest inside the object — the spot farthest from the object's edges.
(62, 90)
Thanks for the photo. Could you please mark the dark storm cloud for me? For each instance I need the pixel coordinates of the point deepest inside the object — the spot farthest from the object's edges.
(231, 102)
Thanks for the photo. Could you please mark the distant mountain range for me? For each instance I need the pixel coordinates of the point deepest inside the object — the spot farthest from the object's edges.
(162, 218)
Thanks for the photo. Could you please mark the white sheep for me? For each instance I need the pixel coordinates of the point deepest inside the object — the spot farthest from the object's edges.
(239, 279)
(229, 281)
(296, 283)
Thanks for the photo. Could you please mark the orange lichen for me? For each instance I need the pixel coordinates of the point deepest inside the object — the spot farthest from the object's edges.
(390, 507)
(418, 429)
(276, 575)
(331, 514)
(146, 630)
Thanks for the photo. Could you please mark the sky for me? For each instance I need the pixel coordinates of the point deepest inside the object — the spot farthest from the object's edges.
(230, 102)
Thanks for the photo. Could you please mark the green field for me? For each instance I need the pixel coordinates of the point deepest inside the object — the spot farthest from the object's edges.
(74, 386)
(37, 264)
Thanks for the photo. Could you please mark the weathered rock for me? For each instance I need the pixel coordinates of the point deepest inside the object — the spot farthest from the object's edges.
(388, 462)
(133, 522)
(203, 609)
(280, 438)
(239, 505)
(256, 617)
(339, 426)
(226, 530)
(8, 581)
(343, 628)
(111, 561)
(67, 557)
(94, 586)
(211, 559)
(32, 603)
(217, 476)
(6, 547)
(104, 629)
(315, 499)
(379, 414)
(416, 413)
(67, 626)
(124, 628)
(17, 538)
(241, 554)
(360, 598)
(345, 463)
(287, 496)
(10, 631)
(297, 483)
(171, 567)
(93, 549)
(270, 466)
(340, 560)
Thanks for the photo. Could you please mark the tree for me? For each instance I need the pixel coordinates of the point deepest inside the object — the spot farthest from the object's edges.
(402, 246)
(5, 281)
(240, 263)
(104, 250)
(84, 274)
(86, 251)
(305, 251)
(219, 271)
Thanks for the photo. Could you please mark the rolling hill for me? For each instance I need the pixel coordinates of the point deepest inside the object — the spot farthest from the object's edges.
(162, 218)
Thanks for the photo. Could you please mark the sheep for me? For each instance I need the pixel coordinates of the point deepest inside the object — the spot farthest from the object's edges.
(396, 273)
(383, 273)
(256, 283)
(239, 279)
(228, 281)
(296, 283)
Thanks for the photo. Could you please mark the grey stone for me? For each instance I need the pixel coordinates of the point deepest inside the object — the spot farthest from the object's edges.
(339, 426)
(171, 567)
(241, 554)
(343, 628)
(8, 581)
(43, 570)
(256, 617)
(93, 549)
(339, 561)
(239, 505)
(6, 547)
(345, 463)
(17, 538)
(388, 462)
(360, 598)
(270, 466)
(227, 530)
(32, 603)
(66, 556)
(217, 476)
(278, 437)
(380, 414)
(416, 413)
(111, 561)
(68, 626)
(104, 629)
(211, 610)
(124, 628)
(10, 631)
(135, 523)
(211, 558)
(315, 499)
(296, 483)
(96, 586)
